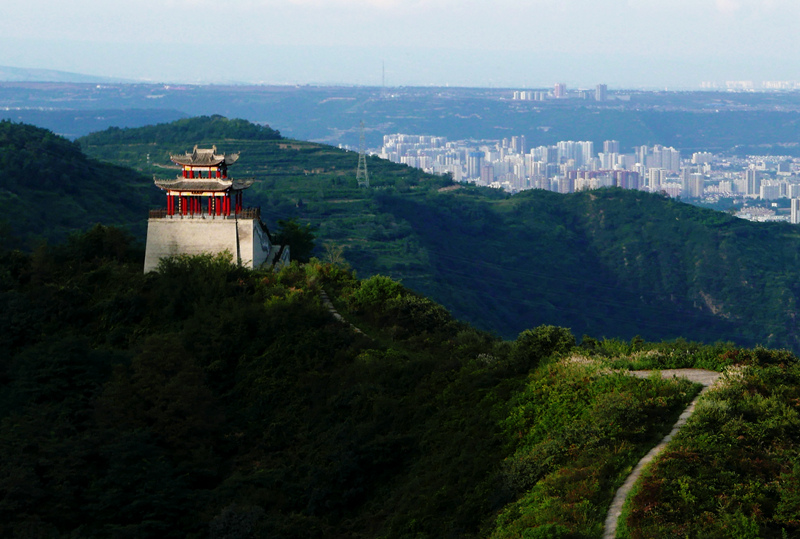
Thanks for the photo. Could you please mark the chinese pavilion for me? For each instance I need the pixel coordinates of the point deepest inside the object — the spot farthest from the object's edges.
(205, 214)
(205, 176)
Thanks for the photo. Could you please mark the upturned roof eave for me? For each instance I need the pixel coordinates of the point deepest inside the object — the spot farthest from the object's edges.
(203, 184)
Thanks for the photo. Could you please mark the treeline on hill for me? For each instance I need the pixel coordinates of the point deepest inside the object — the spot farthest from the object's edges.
(199, 128)
(208, 400)
(49, 188)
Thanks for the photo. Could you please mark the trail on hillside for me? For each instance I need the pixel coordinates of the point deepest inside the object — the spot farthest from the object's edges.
(700, 376)
(326, 301)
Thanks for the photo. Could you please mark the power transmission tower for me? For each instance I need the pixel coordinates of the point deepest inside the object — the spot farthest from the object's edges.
(361, 174)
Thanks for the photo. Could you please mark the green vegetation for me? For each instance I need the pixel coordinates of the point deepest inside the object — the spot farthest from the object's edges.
(579, 433)
(200, 128)
(210, 400)
(49, 188)
(734, 469)
(609, 263)
(300, 239)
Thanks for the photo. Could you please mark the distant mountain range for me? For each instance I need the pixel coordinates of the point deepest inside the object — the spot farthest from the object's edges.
(738, 123)
(23, 74)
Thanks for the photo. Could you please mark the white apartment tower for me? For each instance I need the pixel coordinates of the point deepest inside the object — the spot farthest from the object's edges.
(601, 93)
(752, 181)
(611, 146)
(795, 217)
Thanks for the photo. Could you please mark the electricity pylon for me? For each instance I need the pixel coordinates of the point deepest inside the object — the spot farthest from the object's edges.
(361, 174)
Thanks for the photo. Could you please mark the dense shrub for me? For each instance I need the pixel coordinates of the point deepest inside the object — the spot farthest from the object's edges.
(534, 345)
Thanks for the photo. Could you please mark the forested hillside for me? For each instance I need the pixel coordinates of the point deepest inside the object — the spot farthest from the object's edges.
(608, 262)
(49, 188)
(207, 400)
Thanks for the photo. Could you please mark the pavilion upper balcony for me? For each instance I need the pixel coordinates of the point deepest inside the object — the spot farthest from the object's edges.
(243, 214)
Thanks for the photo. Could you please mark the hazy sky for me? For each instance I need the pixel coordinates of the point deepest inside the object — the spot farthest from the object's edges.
(522, 43)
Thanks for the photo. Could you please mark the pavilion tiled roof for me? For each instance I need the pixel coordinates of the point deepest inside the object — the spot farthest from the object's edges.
(204, 157)
(203, 184)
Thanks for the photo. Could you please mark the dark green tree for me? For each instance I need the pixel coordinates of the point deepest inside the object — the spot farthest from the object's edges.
(299, 238)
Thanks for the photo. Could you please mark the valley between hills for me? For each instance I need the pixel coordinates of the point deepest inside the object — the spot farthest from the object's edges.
(484, 396)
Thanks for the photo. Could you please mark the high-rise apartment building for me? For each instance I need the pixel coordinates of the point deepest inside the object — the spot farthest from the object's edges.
(696, 185)
(587, 150)
(641, 155)
(700, 158)
(474, 162)
(611, 146)
(560, 90)
(666, 158)
(656, 177)
(795, 216)
(686, 174)
(487, 174)
(752, 181)
(519, 144)
(601, 93)
(769, 190)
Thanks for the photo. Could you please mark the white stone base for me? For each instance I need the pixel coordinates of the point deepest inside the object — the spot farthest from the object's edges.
(183, 235)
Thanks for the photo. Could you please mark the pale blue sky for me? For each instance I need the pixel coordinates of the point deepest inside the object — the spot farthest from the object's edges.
(524, 43)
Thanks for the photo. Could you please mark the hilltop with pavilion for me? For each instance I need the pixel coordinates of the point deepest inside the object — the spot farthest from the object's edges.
(205, 213)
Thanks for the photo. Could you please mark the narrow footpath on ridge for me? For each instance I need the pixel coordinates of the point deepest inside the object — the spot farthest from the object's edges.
(326, 301)
(700, 376)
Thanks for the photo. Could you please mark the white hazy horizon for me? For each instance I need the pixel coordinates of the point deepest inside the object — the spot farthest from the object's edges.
(504, 43)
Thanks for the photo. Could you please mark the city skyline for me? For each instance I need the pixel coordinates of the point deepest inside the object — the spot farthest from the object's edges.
(624, 44)
(571, 166)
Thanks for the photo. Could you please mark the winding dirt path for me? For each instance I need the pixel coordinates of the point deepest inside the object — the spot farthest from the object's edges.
(700, 376)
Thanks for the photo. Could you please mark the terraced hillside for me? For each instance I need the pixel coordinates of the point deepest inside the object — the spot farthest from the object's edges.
(609, 262)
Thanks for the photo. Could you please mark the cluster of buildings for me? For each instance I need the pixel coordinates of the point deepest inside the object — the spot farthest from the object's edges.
(559, 91)
(570, 166)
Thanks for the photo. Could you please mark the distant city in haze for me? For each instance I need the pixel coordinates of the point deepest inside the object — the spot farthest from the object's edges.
(570, 166)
